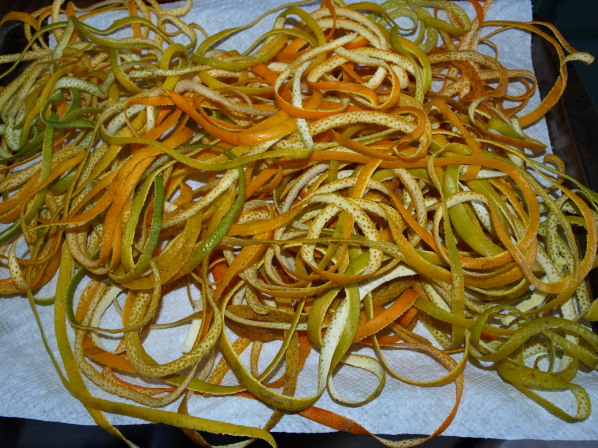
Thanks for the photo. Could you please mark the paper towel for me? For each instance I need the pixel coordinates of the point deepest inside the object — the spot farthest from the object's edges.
(30, 388)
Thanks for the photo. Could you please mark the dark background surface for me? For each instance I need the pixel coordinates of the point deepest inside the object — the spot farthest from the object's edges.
(19, 433)
(574, 131)
(578, 21)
